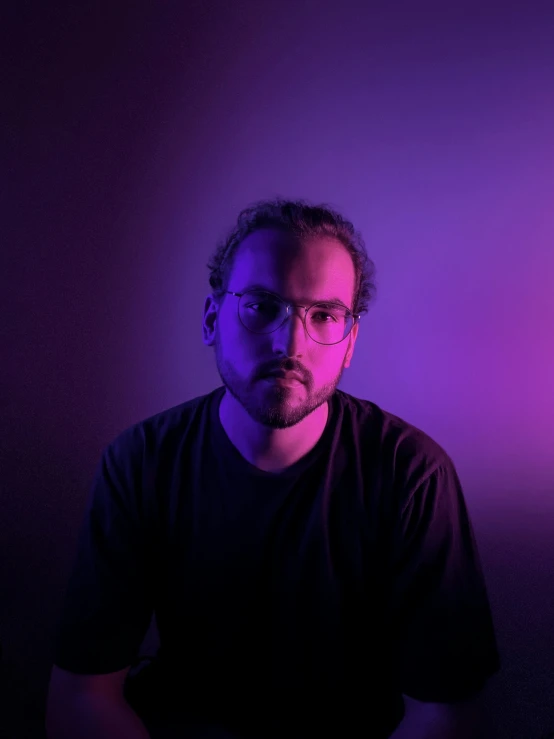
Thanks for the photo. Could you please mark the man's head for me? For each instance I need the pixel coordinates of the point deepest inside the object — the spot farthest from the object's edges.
(301, 254)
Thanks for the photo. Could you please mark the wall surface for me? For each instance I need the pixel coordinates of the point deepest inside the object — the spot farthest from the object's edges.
(131, 138)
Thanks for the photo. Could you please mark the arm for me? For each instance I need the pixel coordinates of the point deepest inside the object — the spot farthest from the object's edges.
(443, 642)
(462, 720)
(90, 707)
(106, 610)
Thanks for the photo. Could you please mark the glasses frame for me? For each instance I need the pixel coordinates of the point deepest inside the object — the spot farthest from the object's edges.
(356, 316)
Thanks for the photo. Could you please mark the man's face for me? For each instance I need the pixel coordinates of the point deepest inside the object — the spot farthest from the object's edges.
(302, 273)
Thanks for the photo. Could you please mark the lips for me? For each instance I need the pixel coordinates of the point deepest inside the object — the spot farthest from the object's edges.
(286, 375)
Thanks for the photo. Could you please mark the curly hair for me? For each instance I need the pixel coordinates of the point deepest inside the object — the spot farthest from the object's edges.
(303, 220)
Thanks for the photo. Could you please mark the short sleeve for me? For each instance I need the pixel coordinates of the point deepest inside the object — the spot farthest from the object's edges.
(442, 630)
(107, 606)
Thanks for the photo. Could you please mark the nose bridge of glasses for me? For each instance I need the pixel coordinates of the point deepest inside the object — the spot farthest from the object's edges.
(291, 309)
(292, 335)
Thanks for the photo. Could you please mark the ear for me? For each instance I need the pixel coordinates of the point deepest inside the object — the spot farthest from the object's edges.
(209, 322)
(351, 342)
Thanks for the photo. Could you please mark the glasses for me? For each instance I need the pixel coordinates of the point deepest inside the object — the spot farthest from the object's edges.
(262, 313)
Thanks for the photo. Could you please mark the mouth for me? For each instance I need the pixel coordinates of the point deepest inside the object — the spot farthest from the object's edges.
(284, 379)
(282, 375)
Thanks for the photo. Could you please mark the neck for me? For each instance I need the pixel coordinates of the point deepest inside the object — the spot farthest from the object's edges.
(271, 450)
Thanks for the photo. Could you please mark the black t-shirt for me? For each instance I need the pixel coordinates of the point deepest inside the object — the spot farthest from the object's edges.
(297, 601)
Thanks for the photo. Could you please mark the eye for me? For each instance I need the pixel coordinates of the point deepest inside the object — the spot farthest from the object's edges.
(323, 317)
(266, 306)
(327, 313)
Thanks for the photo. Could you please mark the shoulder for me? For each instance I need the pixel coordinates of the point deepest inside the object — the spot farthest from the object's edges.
(146, 453)
(161, 429)
(404, 451)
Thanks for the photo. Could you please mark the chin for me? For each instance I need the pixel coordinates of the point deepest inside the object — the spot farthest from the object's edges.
(284, 412)
(277, 420)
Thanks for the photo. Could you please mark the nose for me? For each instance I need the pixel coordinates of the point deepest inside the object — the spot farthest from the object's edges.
(290, 338)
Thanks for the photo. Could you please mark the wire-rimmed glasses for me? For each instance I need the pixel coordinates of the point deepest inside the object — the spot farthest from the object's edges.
(262, 312)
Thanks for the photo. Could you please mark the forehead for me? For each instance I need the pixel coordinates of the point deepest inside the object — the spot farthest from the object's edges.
(298, 269)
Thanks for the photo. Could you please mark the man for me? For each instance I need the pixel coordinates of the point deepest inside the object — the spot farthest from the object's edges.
(308, 556)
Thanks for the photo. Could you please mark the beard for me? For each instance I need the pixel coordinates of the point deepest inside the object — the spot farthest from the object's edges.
(272, 405)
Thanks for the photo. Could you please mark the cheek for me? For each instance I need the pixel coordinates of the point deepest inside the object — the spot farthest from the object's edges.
(326, 364)
(228, 332)
(236, 344)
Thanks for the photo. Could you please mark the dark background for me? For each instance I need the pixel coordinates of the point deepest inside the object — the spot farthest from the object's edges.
(131, 137)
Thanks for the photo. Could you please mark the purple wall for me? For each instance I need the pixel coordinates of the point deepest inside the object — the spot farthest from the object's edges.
(133, 139)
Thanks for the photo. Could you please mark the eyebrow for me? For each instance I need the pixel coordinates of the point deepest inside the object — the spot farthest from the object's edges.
(333, 299)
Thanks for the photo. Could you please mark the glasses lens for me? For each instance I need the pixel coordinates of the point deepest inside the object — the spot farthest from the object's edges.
(328, 323)
(262, 313)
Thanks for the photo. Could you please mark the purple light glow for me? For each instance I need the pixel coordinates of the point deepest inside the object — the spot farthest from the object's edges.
(137, 137)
